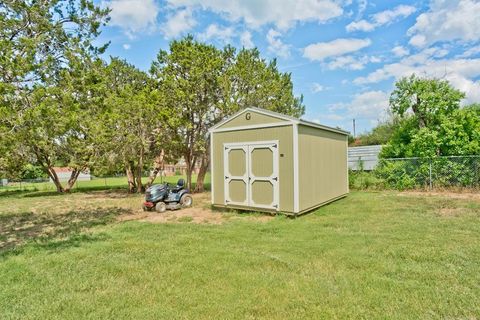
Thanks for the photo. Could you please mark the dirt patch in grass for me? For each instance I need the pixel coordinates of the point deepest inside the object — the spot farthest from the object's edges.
(193, 215)
(451, 212)
(201, 212)
(467, 195)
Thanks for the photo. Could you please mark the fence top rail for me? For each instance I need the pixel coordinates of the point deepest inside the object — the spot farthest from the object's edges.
(419, 158)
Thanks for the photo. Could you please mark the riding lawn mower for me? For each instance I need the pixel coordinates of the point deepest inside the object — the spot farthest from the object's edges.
(161, 197)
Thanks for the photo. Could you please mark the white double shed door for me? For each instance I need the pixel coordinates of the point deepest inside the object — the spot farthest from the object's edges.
(251, 174)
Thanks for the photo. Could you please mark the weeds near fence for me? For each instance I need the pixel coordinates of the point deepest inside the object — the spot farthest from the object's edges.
(453, 172)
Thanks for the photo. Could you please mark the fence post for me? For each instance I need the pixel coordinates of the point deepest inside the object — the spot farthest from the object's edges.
(430, 174)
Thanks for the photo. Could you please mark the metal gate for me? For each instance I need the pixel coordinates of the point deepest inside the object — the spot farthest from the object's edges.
(251, 174)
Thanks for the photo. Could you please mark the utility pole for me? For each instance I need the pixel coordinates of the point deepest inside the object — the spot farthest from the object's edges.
(354, 135)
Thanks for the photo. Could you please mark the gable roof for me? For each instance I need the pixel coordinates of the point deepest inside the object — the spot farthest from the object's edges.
(281, 116)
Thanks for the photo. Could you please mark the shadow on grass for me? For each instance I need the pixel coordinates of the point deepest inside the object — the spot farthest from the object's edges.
(51, 231)
(14, 193)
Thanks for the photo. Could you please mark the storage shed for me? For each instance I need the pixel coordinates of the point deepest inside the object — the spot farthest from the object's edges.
(266, 161)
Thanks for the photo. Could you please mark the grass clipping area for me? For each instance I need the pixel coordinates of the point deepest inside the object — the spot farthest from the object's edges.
(370, 255)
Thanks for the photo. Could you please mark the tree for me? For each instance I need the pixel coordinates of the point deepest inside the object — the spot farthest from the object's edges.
(436, 125)
(46, 47)
(205, 84)
(189, 77)
(256, 82)
(379, 135)
(427, 99)
(132, 126)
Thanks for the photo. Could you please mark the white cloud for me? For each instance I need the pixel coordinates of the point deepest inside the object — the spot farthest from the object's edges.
(133, 16)
(400, 51)
(362, 6)
(370, 104)
(276, 45)
(362, 25)
(460, 72)
(322, 118)
(178, 23)
(381, 18)
(470, 52)
(283, 14)
(246, 40)
(346, 62)
(322, 50)
(126, 46)
(446, 21)
(215, 31)
(351, 62)
(388, 16)
(317, 87)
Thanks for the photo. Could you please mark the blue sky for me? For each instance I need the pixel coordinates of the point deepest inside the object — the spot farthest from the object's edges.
(344, 55)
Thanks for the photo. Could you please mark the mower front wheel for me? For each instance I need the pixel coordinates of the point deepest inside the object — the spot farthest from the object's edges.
(160, 207)
(186, 200)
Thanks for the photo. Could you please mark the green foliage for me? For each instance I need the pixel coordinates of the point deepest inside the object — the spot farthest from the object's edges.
(255, 82)
(33, 172)
(404, 174)
(379, 135)
(202, 85)
(432, 122)
(363, 180)
(428, 99)
(47, 54)
(438, 172)
(131, 131)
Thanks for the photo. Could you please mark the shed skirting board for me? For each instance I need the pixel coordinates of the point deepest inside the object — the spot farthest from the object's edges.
(287, 213)
(247, 208)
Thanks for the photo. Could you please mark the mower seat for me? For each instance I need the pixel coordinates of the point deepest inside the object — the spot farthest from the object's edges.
(180, 185)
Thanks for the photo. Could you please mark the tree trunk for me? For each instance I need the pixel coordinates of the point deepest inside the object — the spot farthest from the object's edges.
(140, 188)
(157, 167)
(421, 119)
(73, 178)
(199, 186)
(53, 175)
(131, 178)
(189, 164)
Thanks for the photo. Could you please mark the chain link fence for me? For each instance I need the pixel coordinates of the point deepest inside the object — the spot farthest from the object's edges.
(450, 172)
(93, 183)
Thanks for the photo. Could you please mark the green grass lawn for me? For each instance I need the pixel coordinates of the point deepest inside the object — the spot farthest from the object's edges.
(371, 255)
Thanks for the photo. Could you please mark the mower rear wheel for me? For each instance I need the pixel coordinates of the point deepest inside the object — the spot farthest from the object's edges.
(186, 200)
(161, 207)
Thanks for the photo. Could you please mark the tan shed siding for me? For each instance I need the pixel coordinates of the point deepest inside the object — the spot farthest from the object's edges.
(255, 119)
(283, 134)
(322, 166)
